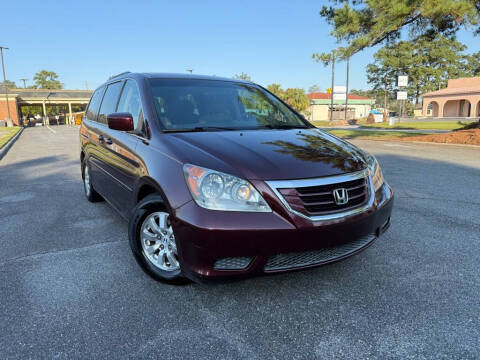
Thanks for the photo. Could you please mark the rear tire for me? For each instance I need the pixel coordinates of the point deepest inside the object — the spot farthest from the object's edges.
(90, 192)
(152, 241)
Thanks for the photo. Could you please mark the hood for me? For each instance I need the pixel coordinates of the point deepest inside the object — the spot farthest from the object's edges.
(267, 154)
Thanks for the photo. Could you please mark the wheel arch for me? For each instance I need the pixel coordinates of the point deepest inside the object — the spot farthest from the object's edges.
(147, 186)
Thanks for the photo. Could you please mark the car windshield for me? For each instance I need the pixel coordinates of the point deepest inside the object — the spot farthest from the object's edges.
(204, 105)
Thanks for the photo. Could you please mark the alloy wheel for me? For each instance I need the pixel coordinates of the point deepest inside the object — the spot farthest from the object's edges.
(158, 242)
(86, 180)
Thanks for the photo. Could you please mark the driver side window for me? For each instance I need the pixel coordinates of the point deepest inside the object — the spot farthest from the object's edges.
(130, 102)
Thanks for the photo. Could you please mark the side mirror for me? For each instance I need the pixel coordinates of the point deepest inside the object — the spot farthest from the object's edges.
(120, 121)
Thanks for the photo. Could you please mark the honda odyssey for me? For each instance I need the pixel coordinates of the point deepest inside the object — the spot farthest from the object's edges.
(219, 178)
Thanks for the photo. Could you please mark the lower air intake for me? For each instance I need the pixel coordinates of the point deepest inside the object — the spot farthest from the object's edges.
(316, 257)
(232, 263)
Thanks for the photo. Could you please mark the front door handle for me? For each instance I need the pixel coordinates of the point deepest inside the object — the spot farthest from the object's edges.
(102, 140)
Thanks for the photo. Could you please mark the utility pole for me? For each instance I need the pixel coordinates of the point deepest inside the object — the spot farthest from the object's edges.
(333, 84)
(5, 81)
(385, 99)
(24, 83)
(346, 97)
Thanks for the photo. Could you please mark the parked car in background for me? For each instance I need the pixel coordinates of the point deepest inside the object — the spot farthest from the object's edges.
(220, 179)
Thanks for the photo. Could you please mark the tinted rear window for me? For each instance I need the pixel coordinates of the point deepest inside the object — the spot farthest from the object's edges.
(94, 104)
(110, 99)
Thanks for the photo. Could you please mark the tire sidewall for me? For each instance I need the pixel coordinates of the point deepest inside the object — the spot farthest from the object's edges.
(150, 204)
(84, 166)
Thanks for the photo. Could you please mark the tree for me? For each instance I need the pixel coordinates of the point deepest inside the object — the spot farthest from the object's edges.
(243, 76)
(10, 84)
(314, 89)
(473, 64)
(276, 89)
(367, 93)
(297, 99)
(47, 80)
(363, 24)
(429, 64)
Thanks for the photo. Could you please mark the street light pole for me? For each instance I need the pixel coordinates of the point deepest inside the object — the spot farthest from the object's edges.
(346, 96)
(333, 82)
(24, 83)
(5, 80)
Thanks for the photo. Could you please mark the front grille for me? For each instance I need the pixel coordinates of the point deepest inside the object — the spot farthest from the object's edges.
(316, 257)
(319, 199)
(232, 263)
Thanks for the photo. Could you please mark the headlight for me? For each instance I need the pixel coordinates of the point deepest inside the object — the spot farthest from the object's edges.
(218, 191)
(375, 171)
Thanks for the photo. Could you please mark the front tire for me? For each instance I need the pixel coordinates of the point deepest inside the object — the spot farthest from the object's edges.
(153, 242)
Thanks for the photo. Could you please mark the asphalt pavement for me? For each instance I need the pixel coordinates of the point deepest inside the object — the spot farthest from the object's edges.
(70, 288)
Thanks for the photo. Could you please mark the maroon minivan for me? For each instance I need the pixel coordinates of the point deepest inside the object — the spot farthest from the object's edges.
(219, 178)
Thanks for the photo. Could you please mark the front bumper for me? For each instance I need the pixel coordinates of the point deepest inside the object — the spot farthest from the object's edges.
(271, 242)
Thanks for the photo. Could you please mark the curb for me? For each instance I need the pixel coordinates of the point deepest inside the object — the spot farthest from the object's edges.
(8, 145)
(417, 142)
(440, 143)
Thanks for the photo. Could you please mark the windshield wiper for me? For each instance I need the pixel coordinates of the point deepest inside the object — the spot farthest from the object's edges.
(197, 129)
(284, 126)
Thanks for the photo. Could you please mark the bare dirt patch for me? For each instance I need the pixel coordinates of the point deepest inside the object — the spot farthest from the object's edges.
(470, 137)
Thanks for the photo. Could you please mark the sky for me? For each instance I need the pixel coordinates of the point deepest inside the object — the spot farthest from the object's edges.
(86, 41)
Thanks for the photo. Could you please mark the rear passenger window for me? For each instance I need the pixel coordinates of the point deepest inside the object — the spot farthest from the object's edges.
(130, 102)
(110, 100)
(92, 110)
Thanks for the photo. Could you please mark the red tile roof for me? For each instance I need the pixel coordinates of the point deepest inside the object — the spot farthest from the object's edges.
(325, 96)
(454, 91)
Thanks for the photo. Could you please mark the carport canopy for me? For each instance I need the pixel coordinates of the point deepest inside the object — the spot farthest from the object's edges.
(70, 100)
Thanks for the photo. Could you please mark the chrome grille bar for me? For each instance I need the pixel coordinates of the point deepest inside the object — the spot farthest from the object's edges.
(294, 189)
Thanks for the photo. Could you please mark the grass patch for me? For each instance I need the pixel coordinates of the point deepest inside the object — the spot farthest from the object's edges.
(321, 123)
(422, 125)
(372, 135)
(6, 133)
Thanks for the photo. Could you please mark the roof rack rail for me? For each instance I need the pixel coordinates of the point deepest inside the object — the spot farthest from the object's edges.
(114, 76)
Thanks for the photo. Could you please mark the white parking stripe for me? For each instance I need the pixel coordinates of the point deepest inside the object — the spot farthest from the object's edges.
(49, 128)
(396, 145)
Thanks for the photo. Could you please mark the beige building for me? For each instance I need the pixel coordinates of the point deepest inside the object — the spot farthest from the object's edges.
(320, 103)
(461, 98)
